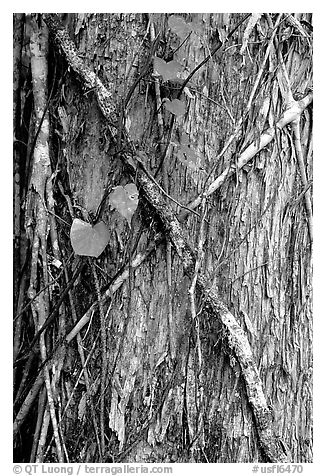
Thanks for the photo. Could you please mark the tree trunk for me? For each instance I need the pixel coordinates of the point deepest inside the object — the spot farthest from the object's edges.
(208, 360)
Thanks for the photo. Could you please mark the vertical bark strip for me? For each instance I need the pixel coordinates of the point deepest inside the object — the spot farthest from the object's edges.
(41, 173)
(17, 53)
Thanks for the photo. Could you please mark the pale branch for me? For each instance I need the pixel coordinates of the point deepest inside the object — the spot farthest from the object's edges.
(24, 409)
(26, 406)
(257, 145)
(41, 427)
(285, 87)
(40, 176)
(117, 283)
(83, 359)
(51, 402)
(93, 391)
(238, 126)
(288, 116)
(39, 458)
(254, 18)
(297, 25)
(78, 267)
(238, 341)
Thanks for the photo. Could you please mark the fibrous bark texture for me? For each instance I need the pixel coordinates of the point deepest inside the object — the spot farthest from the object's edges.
(232, 382)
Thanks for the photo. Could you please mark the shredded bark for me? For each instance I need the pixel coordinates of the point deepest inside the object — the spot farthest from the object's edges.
(237, 339)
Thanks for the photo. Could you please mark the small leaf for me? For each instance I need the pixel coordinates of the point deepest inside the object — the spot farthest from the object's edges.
(170, 70)
(184, 140)
(197, 26)
(88, 240)
(179, 26)
(125, 200)
(189, 157)
(254, 18)
(176, 107)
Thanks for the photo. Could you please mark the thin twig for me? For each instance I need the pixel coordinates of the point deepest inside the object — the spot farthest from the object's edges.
(196, 316)
(39, 457)
(83, 360)
(199, 259)
(104, 358)
(285, 87)
(114, 286)
(266, 137)
(131, 161)
(248, 105)
(80, 374)
(300, 159)
(51, 402)
(76, 385)
(219, 45)
(26, 405)
(50, 283)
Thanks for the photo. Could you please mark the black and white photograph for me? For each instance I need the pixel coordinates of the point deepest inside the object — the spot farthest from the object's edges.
(162, 241)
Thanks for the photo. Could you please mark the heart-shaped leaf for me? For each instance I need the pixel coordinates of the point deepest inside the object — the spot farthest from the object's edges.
(177, 107)
(179, 26)
(88, 240)
(125, 200)
(197, 26)
(170, 70)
